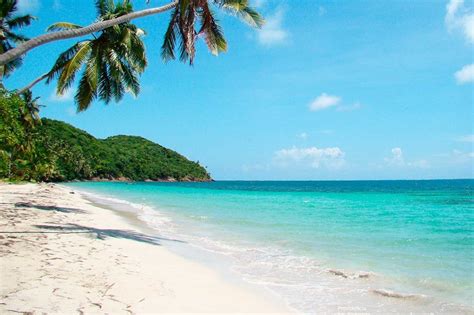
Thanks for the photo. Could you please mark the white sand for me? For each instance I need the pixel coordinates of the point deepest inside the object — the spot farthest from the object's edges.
(69, 256)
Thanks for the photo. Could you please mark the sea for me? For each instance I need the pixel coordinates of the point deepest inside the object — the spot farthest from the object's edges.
(321, 246)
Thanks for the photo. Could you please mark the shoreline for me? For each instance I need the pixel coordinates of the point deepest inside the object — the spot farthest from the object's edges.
(330, 288)
(61, 253)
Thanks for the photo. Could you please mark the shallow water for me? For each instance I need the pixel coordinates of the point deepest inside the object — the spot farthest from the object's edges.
(342, 246)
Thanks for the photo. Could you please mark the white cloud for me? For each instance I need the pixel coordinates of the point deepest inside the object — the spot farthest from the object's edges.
(397, 158)
(272, 32)
(324, 101)
(466, 74)
(28, 6)
(312, 157)
(466, 138)
(460, 157)
(65, 97)
(303, 135)
(458, 17)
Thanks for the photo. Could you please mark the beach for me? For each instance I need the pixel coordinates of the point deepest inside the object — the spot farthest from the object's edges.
(227, 247)
(60, 253)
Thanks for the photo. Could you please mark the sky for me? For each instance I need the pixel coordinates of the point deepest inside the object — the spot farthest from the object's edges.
(325, 90)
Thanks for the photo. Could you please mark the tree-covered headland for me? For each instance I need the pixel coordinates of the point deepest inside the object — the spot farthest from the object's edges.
(49, 150)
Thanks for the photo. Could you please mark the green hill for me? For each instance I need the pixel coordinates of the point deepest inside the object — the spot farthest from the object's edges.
(51, 150)
(81, 156)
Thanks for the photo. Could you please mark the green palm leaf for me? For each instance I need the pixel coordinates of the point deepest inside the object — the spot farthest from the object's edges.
(169, 43)
(20, 21)
(71, 67)
(61, 26)
(242, 10)
(213, 35)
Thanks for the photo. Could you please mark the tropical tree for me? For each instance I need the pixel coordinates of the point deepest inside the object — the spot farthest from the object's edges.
(192, 19)
(15, 139)
(112, 60)
(182, 27)
(30, 110)
(8, 38)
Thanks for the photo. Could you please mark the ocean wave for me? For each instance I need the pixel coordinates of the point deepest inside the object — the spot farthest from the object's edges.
(348, 275)
(150, 215)
(398, 295)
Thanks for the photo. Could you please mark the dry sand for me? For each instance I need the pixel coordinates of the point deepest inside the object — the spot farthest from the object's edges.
(61, 254)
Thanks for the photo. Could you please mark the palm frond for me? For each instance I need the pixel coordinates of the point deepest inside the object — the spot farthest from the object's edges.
(103, 7)
(243, 11)
(84, 95)
(20, 21)
(136, 53)
(87, 88)
(12, 65)
(69, 70)
(17, 38)
(252, 17)
(130, 79)
(104, 89)
(169, 42)
(61, 26)
(187, 33)
(7, 8)
(213, 35)
(61, 61)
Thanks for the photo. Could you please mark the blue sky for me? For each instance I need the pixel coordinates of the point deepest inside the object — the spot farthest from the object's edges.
(326, 90)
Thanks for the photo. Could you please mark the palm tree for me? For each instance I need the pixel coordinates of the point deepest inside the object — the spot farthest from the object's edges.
(181, 27)
(8, 38)
(188, 13)
(30, 111)
(112, 61)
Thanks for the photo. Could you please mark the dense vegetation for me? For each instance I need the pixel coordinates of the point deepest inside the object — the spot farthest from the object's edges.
(51, 150)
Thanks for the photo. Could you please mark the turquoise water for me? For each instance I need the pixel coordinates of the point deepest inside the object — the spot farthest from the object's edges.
(327, 246)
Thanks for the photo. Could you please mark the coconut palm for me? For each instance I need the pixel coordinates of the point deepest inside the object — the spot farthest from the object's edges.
(8, 38)
(192, 19)
(181, 27)
(30, 111)
(112, 61)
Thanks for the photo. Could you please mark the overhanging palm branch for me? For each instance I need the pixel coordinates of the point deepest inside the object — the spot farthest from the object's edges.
(182, 32)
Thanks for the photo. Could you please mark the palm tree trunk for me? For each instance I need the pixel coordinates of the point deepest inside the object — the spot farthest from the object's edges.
(33, 83)
(96, 27)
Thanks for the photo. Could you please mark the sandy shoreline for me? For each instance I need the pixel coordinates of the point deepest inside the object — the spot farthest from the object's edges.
(61, 254)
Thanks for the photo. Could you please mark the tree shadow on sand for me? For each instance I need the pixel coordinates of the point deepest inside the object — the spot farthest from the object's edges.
(102, 234)
(48, 208)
